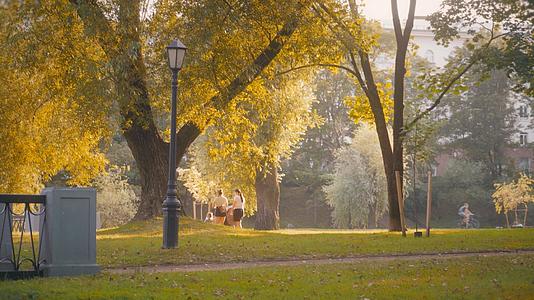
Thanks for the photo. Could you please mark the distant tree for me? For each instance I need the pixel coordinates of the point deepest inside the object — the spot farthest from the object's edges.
(312, 162)
(315, 154)
(349, 192)
(366, 143)
(511, 196)
(463, 182)
(118, 154)
(480, 121)
(201, 190)
(358, 187)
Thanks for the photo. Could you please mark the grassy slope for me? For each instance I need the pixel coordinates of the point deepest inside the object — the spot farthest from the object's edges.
(139, 243)
(509, 277)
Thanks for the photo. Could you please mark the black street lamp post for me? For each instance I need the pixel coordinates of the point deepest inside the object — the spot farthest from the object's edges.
(171, 204)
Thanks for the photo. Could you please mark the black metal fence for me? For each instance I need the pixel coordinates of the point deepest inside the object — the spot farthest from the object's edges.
(20, 241)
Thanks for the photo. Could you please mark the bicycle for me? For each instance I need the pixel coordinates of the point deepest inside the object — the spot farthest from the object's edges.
(472, 223)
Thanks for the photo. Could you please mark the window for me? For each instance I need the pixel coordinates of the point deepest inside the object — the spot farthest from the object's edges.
(523, 111)
(524, 165)
(523, 139)
(429, 55)
(434, 170)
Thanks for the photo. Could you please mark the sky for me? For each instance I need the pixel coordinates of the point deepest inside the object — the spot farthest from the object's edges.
(381, 9)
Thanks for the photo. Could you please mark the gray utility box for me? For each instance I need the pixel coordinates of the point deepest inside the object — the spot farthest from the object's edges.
(69, 232)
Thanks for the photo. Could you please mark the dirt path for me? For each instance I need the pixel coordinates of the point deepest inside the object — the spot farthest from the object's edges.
(299, 262)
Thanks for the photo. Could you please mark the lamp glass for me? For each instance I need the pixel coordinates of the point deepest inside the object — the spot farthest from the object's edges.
(171, 54)
(180, 54)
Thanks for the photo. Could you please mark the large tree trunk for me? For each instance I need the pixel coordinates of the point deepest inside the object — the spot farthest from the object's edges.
(150, 154)
(268, 200)
(393, 202)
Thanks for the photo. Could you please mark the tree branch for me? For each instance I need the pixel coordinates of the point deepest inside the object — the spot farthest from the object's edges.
(366, 81)
(349, 70)
(190, 131)
(253, 70)
(93, 17)
(358, 73)
(442, 94)
(409, 24)
(374, 97)
(347, 34)
(396, 22)
(354, 45)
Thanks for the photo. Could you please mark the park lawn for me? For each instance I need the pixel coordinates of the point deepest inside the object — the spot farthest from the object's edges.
(495, 277)
(139, 243)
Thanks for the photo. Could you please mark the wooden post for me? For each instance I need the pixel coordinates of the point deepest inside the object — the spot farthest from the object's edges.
(428, 203)
(400, 198)
(201, 212)
(525, 217)
(194, 210)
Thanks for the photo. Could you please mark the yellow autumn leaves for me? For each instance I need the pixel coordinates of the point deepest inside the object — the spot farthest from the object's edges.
(53, 113)
(360, 109)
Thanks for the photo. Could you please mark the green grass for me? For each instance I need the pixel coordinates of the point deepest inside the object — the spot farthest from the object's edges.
(504, 277)
(139, 243)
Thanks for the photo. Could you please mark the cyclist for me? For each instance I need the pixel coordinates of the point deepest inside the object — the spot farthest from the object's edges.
(465, 213)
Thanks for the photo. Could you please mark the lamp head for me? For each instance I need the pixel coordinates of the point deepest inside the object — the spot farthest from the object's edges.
(175, 55)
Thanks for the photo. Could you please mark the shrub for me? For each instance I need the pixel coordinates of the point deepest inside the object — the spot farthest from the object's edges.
(116, 200)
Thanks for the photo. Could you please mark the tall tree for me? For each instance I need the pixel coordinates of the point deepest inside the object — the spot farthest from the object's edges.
(246, 146)
(346, 26)
(462, 182)
(120, 38)
(311, 164)
(231, 44)
(315, 154)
